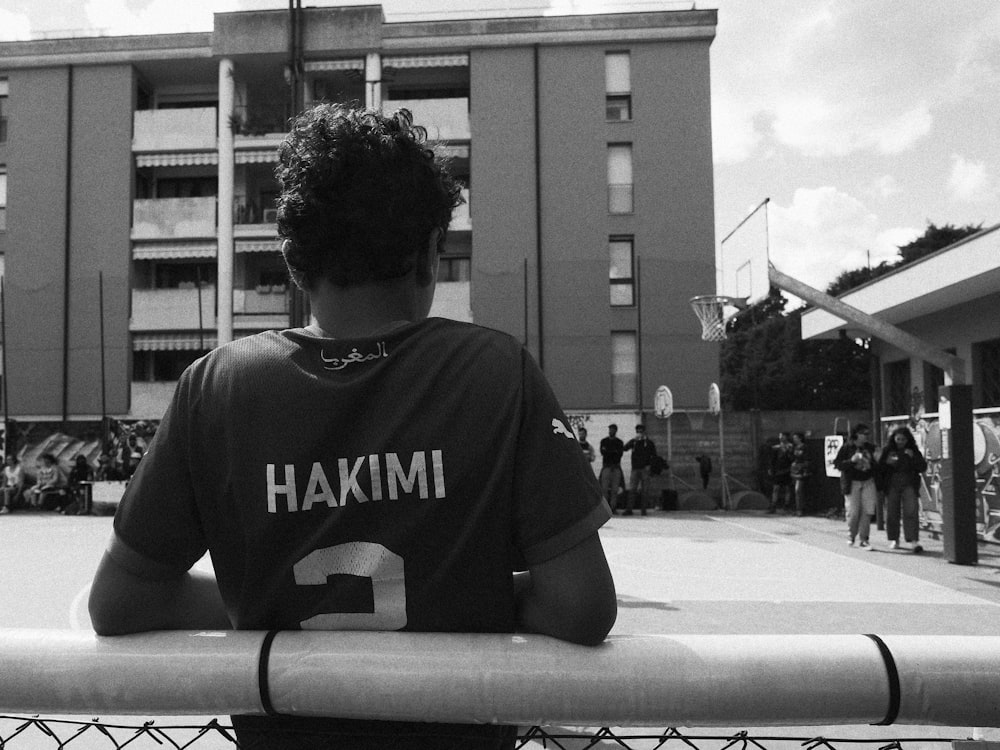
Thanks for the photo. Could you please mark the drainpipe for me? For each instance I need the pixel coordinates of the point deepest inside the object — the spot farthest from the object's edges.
(67, 241)
(227, 176)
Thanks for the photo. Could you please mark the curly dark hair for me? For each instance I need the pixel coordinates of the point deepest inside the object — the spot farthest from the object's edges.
(361, 192)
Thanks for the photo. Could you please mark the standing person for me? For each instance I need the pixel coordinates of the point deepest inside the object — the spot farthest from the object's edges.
(856, 461)
(586, 448)
(704, 469)
(425, 457)
(612, 479)
(902, 464)
(780, 472)
(800, 471)
(13, 484)
(81, 475)
(643, 451)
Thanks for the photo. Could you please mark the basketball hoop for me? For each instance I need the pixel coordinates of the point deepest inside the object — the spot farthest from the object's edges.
(710, 309)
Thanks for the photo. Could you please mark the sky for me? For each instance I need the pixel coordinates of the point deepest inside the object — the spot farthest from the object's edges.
(860, 120)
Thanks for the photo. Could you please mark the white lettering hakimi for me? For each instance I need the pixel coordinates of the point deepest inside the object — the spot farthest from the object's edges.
(338, 363)
(558, 428)
(385, 475)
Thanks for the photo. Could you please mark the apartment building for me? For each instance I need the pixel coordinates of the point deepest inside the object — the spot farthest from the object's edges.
(137, 194)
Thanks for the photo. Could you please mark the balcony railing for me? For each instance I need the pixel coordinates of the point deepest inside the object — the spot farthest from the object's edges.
(620, 199)
(169, 309)
(192, 129)
(177, 308)
(445, 119)
(173, 218)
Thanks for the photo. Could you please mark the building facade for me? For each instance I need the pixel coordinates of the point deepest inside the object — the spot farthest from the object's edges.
(137, 194)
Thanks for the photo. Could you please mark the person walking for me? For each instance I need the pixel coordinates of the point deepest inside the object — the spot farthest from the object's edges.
(902, 465)
(704, 469)
(612, 479)
(857, 464)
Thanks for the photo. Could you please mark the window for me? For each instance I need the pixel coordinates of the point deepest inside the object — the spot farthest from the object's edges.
(618, 86)
(160, 366)
(3, 197)
(3, 110)
(624, 367)
(897, 387)
(986, 372)
(620, 178)
(620, 251)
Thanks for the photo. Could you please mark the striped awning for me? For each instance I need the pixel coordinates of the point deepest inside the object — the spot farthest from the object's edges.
(173, 341)
(257, 156)
(426, 61)
(352, 64)
(173, 250)
(258, 246)
(177, 159)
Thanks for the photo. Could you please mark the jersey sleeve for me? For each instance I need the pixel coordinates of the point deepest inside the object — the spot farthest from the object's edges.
(158, 531)
(557, 501)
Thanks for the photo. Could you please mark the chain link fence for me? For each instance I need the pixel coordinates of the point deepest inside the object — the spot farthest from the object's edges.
(50, 733)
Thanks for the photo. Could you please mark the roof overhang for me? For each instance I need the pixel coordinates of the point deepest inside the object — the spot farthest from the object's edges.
(952, 276)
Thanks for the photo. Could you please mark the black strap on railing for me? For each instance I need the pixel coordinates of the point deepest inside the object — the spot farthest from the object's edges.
(893, 676)
(262, 683)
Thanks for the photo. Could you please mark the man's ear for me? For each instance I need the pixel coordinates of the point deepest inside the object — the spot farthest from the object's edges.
(297, 276)
(427, 257)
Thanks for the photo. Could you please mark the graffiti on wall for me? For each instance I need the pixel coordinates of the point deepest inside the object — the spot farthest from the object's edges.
(986, 455)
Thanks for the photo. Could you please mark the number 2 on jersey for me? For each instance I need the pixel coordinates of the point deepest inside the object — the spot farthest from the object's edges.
(366, 560)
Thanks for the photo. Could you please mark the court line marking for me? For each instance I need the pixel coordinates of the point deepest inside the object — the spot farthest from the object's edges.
(783, 538)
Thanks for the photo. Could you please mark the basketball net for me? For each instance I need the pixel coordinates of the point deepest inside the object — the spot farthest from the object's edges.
(710, 310)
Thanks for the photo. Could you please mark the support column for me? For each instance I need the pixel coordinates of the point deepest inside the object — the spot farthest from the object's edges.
(958, 476)
(227, 175)
(373, 80)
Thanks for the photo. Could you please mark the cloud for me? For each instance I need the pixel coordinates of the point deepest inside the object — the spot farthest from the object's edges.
(824, 232)
(818, 127)
(970, 182)
(121, 17)
(884, 187)
(735, 135)
(16, 26)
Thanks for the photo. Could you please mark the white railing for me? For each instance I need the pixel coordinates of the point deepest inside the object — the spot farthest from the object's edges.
(641, 680)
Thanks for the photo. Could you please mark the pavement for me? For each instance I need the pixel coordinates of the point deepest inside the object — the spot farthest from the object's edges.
(750, 572)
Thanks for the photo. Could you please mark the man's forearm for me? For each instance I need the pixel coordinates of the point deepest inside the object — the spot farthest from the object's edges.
(121, 602)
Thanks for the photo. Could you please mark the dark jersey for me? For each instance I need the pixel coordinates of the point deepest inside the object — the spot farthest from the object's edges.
(373, 484)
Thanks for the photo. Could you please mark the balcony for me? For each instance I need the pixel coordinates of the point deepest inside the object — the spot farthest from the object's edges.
(175, 130)
(170, 309)
(177, 309)
(445, 119)
(264, 300)
(173, 218)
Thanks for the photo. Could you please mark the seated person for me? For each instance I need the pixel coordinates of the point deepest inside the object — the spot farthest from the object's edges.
(13, 484)
(49, 490)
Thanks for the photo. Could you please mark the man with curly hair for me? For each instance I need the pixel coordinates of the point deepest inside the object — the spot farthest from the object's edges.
(375, 470)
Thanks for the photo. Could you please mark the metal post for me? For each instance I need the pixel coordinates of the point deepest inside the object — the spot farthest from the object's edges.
(227, 173)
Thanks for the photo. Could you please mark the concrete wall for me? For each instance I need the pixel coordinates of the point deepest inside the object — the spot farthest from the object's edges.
(42, 276)
(672, 223)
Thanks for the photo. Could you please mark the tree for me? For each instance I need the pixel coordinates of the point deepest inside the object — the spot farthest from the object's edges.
(933, 239)
(765, 364)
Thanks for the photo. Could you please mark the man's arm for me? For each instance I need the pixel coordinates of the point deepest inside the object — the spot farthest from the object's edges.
(571, 596)
(123, 602)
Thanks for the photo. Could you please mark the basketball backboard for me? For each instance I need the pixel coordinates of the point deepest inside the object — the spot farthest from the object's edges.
(744, 258)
